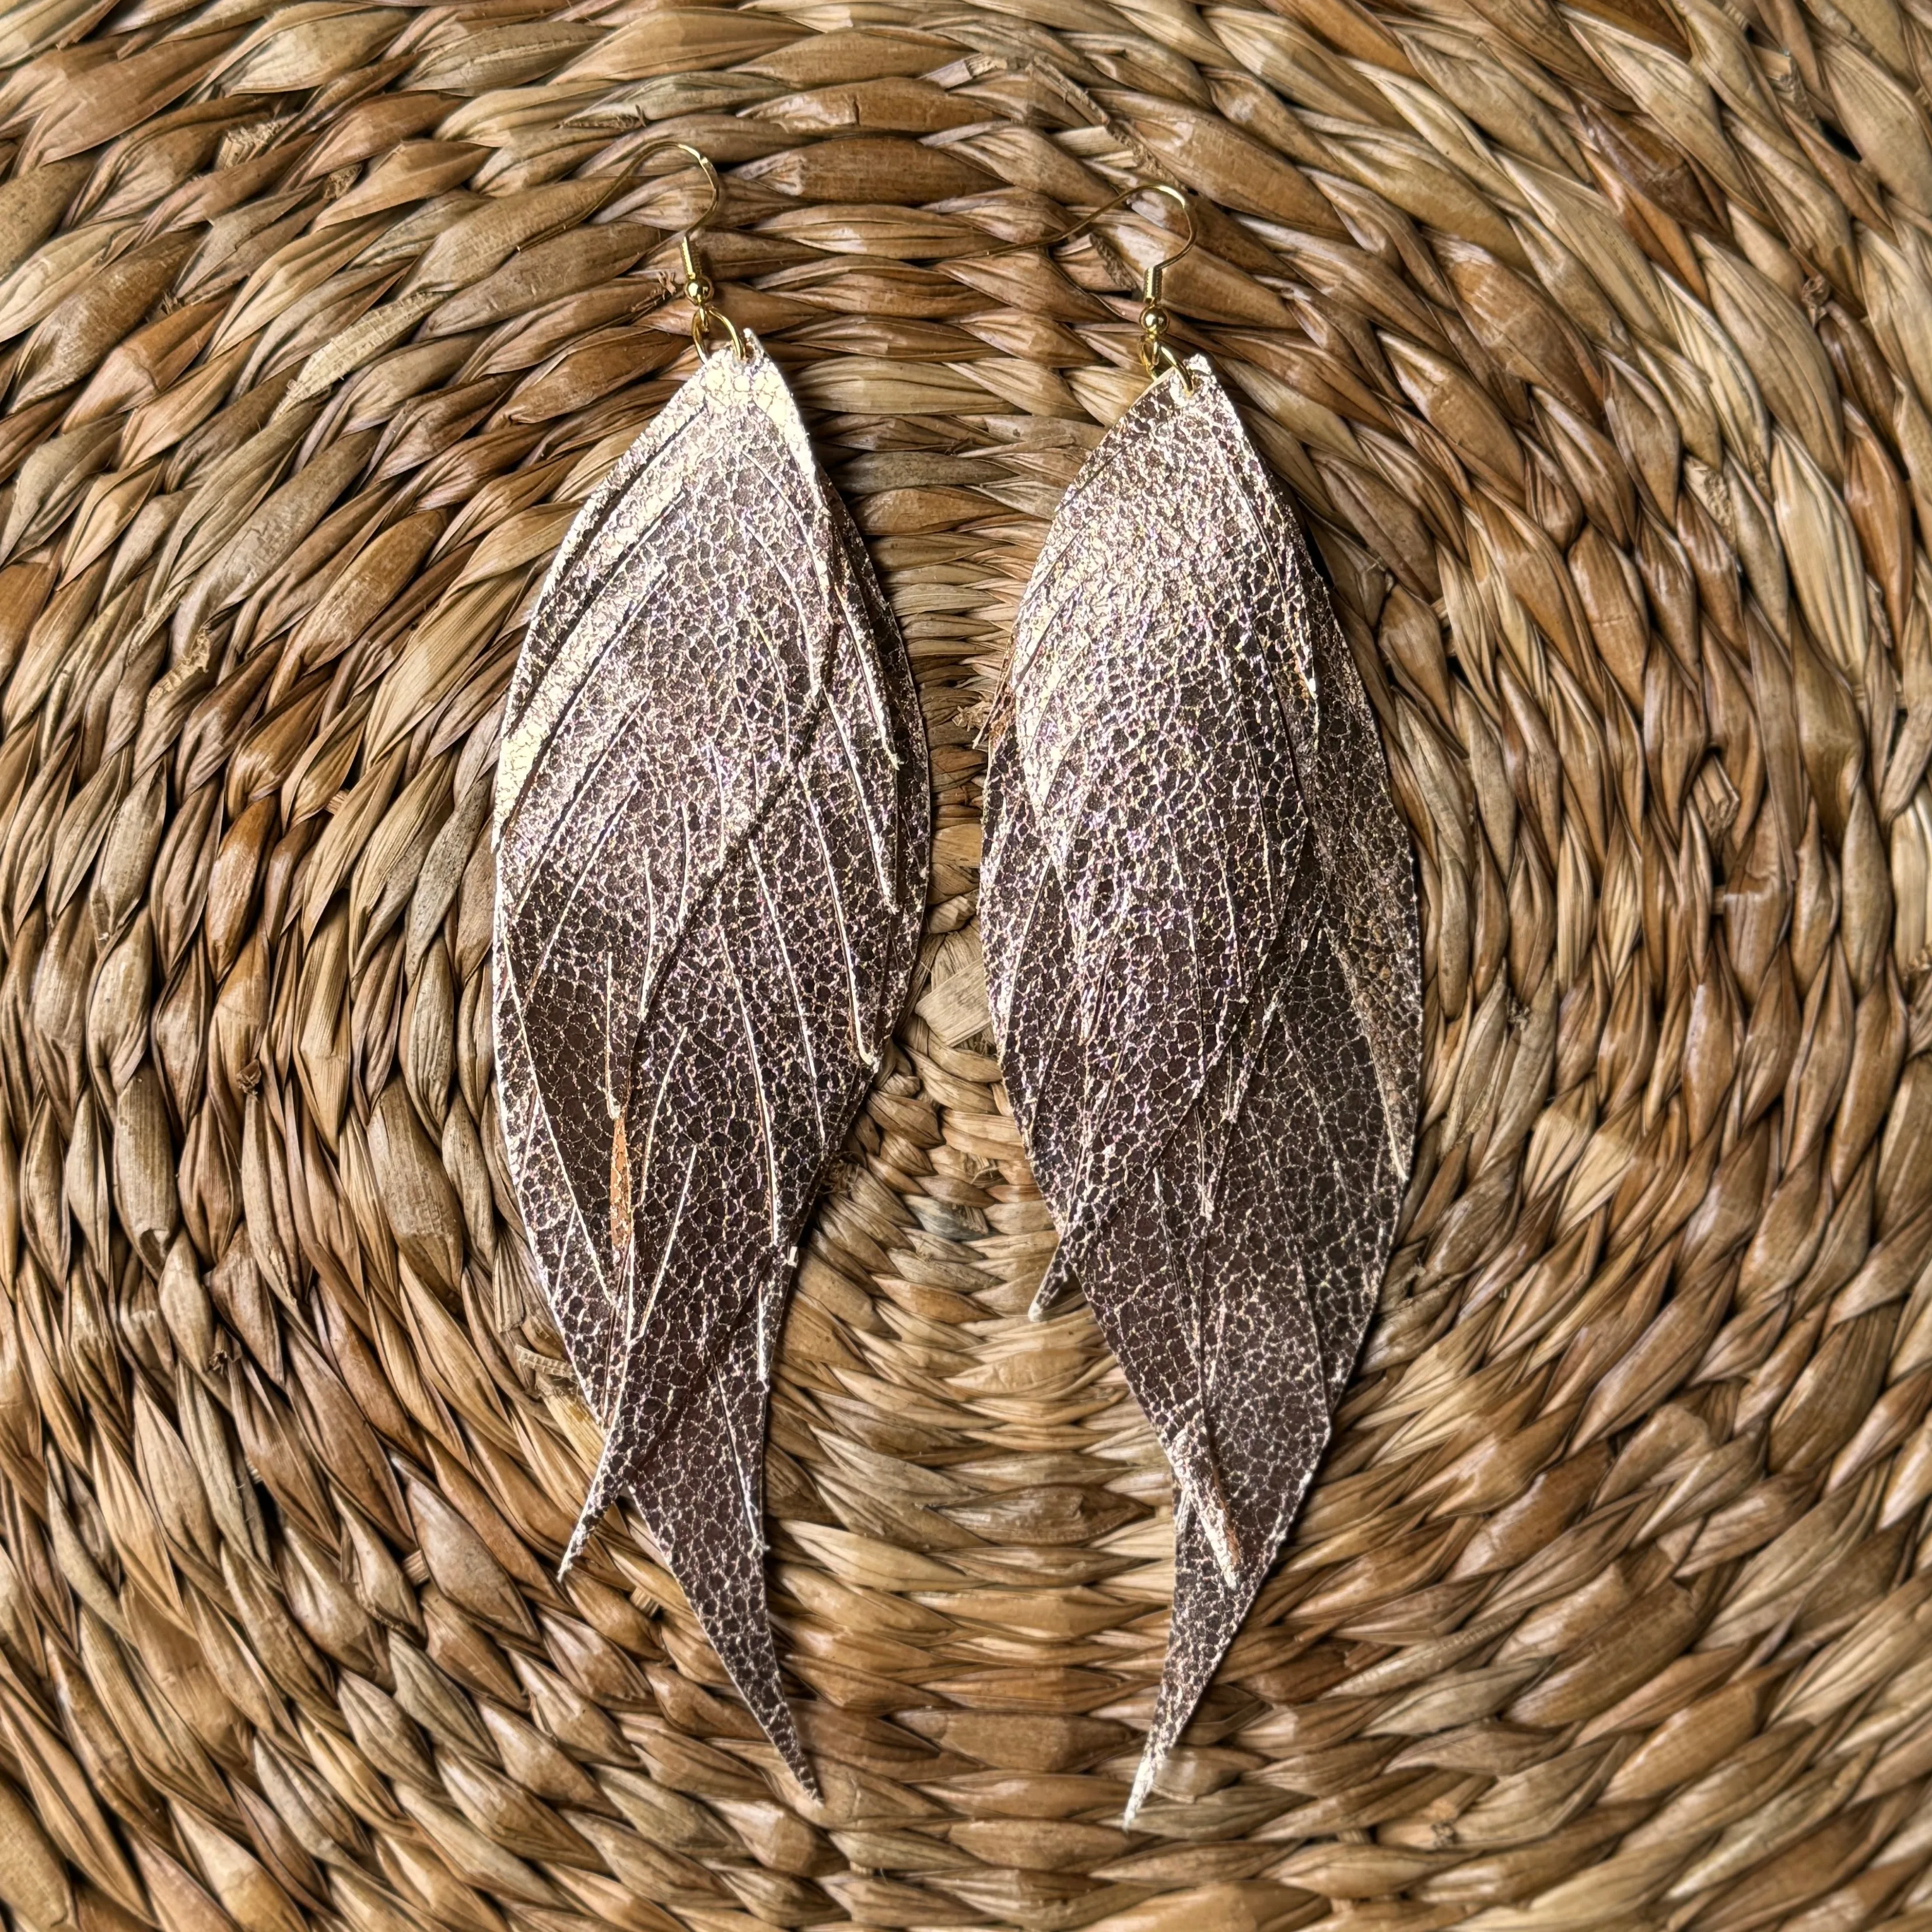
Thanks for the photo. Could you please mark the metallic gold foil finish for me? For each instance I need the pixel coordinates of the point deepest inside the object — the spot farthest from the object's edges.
(711, 836)
(1200, 923)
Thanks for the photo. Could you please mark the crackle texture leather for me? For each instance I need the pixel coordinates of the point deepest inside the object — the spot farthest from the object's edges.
(1199, 913)
(712, 824)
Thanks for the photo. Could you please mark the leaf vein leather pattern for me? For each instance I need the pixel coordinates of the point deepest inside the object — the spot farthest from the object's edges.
(712, 827)
(1199, 913)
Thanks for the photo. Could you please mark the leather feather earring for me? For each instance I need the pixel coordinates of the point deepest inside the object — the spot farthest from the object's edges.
(711, 831)
(1198, 909)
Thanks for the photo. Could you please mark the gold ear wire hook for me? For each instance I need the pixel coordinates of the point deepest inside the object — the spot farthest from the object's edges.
(1157, 352)
(705, 314)
(1157, 355)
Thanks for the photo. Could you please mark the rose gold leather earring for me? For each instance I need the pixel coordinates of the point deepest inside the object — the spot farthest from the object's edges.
(712, 831)
(1199, 915)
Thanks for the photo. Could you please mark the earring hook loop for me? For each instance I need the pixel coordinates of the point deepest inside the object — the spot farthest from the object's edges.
(1157, 355)
(705, 315)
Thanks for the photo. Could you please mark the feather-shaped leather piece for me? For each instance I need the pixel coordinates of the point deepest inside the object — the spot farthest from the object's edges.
(712, 840)
(1198, 907)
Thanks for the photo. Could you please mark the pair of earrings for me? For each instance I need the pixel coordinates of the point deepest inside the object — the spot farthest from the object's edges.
(1198, 906)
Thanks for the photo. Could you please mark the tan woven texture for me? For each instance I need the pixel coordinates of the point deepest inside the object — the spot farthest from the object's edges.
(1597, 343)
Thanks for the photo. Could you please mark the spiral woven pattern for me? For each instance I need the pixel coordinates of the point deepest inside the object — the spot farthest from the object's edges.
(1596, 342)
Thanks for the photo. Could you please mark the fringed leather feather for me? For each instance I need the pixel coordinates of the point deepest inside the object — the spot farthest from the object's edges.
(1199, 914)
(712, 835)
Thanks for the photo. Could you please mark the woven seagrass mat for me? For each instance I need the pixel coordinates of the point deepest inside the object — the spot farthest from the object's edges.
(1597, 343)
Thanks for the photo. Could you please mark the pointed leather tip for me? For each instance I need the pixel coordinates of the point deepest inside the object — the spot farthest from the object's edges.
(782, 1730)
(1052, 1286)
(594, 1506)
(1146, 1774)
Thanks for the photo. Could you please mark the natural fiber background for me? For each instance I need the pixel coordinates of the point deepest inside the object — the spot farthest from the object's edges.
(1598, 341)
